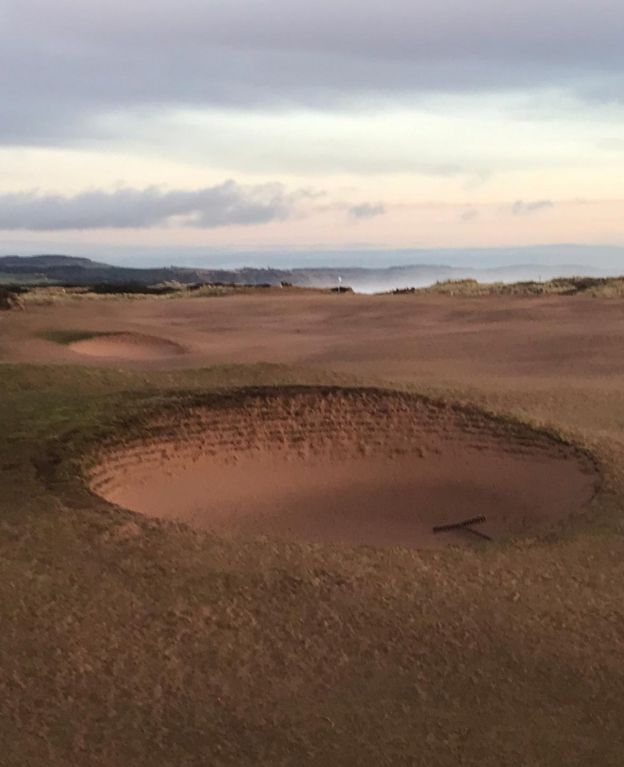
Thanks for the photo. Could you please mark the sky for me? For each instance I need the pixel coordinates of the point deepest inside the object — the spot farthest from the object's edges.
(282, 124)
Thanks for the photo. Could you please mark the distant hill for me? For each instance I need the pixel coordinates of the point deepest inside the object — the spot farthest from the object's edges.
(69, 270)
(46, 262)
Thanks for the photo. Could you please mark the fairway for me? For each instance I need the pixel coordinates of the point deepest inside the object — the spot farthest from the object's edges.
(168, 636)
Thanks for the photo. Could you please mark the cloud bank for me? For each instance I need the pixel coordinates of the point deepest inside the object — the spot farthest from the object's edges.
(367, 210)
(522, 208)
(70, 63)
(227, 204)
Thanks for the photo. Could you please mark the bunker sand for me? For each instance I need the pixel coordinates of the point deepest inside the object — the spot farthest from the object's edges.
(345, 467)
(127, 346)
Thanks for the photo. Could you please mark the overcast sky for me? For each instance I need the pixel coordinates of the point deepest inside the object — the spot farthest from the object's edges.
(334, 123)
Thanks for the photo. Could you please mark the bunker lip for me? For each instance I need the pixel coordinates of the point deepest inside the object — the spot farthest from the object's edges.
(345, 466)
(127, 346)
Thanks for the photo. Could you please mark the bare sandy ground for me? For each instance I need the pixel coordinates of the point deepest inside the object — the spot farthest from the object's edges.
(346, 468)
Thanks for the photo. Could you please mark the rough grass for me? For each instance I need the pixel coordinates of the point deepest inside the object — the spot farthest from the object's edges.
(10, 297)
(130, 642)
(608, 287)
(45, 295)
(66, 337)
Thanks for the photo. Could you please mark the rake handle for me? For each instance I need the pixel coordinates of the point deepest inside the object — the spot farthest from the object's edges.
(458, 525)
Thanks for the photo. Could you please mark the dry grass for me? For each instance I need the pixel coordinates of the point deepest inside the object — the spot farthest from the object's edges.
(50, 295)
(66, 337)
(10, 298)
(130, 642)
(608, 287)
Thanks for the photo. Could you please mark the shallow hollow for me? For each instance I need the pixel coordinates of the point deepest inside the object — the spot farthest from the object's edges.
(130, 346)
(346, 467)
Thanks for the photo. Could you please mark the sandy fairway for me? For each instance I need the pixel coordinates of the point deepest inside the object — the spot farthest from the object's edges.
(345, 467)
(497, 340)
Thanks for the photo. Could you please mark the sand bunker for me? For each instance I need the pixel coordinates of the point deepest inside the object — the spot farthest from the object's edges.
(346, 467)
(127, 346)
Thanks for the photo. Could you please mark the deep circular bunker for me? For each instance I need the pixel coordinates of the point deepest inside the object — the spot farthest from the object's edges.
(343, 466)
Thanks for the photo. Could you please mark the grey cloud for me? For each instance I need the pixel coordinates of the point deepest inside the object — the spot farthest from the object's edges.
(367, 210)
(227, 204)
(521, 208)
(70, 62)
(469, 214)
